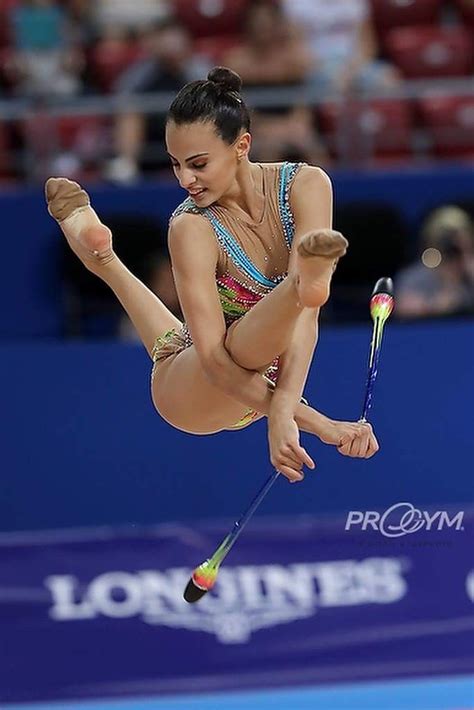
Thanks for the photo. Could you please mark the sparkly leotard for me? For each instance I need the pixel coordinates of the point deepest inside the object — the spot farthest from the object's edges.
(253, 257)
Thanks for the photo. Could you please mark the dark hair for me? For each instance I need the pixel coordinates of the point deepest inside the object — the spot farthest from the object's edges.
(216, 99)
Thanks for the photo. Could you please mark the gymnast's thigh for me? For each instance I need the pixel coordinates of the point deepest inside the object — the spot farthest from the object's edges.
(186, 399)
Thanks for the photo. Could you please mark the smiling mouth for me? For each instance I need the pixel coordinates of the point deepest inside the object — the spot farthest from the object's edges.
(196, 193)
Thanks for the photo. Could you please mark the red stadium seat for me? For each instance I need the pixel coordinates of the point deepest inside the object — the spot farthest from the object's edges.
(430, 52)
(6, 166)
(76, 132)
(77, 142)
(388, 14)
(63, 133)
(214, 48)
(8, 71)
(3, 141)
(466, 10)
(450, 124)
(207, 18)
(361, 130)
(109, 59)
(393, 13)
(5, 29)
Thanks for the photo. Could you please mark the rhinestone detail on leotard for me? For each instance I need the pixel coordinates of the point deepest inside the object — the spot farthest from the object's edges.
(231, 247)
(288, 172)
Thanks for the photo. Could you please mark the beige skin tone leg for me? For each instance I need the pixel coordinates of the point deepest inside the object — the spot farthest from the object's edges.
(265, 332)
(182, 391)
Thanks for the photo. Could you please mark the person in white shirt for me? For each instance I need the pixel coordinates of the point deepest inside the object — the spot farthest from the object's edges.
(343, 44)
(137, 15)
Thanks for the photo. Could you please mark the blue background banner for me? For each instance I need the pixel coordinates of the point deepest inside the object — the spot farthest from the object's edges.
(311, 601)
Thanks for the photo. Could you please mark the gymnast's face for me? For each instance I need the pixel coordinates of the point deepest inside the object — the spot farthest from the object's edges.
(204, 164)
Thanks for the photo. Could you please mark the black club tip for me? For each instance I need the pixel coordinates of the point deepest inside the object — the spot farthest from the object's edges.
(192, 593)
(383, 285)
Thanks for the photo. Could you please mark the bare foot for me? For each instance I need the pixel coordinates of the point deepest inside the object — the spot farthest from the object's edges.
(89, 239)
(317, 256)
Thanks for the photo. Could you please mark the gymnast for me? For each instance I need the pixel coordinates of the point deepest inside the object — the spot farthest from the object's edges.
(253, 252)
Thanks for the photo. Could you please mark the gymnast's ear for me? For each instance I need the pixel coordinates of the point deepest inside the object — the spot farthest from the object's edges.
(243, 145)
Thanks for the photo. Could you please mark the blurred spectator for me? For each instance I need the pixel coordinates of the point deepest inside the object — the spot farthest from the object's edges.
(82, 16)
(273, 55)
(168, 64)
(45, 62)
(343, 43)
(129, 14)
(443, 281)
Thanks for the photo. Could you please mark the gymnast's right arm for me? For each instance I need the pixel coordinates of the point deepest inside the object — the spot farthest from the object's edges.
(194, 254)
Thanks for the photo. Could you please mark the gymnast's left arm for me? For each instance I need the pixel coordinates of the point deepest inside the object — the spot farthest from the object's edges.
(311, 205)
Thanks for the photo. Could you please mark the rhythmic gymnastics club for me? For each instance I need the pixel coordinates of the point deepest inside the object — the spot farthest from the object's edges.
(381, 305)
(204, 577)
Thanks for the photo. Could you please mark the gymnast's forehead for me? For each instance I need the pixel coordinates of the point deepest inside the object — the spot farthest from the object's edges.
(190, 139)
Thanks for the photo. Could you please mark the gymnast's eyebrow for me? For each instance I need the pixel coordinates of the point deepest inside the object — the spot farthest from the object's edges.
(193, 157)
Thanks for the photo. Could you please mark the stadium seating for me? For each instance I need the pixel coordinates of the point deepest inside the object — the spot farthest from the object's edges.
(108, 59)
(206, 18)
(5, 54)
(82, 130)
(466, 11)
(388, 14)
(214, 48)
(361, 130)
(5, 7)
(430, 39)
(5, 157)
(4, 31)
(76, 143)
(449, 121)
(431, 52)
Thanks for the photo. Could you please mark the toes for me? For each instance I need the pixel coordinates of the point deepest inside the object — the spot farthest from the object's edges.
(51, 188)
(64, 197)
(323, 242)
(56, 186)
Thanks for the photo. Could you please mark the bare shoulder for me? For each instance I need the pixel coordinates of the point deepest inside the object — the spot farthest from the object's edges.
(311, 199)
(192, 229)
(191, 242)
(188, 223)
(310, 178)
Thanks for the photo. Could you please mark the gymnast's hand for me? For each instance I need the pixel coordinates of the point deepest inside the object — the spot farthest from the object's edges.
(286, 453)
(351, 438)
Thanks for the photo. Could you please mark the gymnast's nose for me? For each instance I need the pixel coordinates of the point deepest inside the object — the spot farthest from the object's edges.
(187, 179)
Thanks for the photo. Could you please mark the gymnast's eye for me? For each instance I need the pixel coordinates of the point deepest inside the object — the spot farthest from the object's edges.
(199, 166)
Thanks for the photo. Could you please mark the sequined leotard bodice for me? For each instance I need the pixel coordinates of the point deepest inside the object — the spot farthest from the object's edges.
(253, 257)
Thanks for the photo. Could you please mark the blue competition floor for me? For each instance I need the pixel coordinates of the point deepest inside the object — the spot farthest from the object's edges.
(429, 694)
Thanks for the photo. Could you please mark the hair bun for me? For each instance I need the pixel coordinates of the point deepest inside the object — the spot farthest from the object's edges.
(225, 79)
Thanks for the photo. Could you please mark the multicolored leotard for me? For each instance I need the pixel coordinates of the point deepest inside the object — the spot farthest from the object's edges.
(253, 256)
